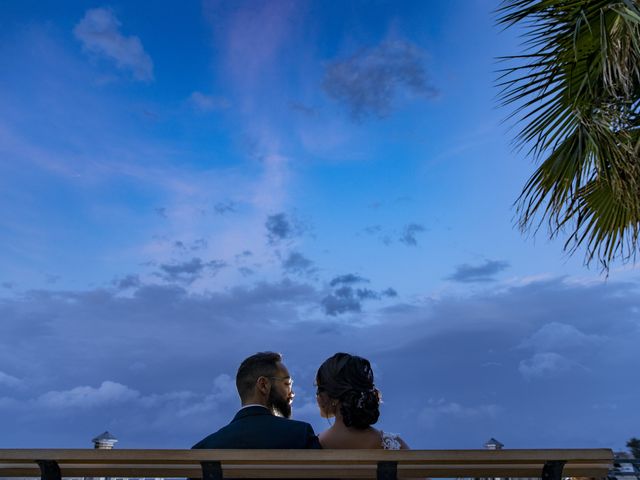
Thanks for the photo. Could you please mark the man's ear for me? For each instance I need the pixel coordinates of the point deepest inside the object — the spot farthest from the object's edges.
(263, 385)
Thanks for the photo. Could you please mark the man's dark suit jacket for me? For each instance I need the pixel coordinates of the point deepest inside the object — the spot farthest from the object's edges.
(256, 427)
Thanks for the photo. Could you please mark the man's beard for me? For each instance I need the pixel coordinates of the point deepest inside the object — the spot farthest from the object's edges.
(278, 405)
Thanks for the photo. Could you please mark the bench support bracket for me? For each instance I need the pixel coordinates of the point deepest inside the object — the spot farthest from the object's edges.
(552, 470)
(211, 470)
(387, 471)
(49, 470)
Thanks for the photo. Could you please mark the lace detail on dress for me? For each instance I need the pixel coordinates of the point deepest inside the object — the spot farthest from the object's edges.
(390, 441)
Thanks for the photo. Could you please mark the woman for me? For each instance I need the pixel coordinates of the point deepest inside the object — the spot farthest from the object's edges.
(345, 390)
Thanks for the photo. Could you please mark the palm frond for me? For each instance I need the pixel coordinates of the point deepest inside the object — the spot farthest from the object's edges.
(576, 91)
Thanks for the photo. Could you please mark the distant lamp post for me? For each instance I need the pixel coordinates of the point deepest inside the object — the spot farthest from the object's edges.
(104, 441)
(493, 444)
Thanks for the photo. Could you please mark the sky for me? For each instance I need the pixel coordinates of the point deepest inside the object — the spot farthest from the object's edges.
(183, 184)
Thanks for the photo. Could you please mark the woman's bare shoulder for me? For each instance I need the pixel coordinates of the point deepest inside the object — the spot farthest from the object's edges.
(324, 437)
(365, 439)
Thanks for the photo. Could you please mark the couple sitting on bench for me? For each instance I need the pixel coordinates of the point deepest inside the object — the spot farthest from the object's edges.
(345, 390)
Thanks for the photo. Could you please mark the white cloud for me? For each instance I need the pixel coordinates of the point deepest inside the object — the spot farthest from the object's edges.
(159, 399)
(8, 402)
(224, 387)
(99, 32)
(182, 403)
(545, 364)
(9, 381)
(108, 393)
(208, 103)
(224, 390)
(174, 404)
(204, 406)
(556, 336)
(439, 408)
(307, 411)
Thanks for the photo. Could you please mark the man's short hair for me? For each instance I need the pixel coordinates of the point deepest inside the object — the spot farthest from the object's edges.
(261, 364)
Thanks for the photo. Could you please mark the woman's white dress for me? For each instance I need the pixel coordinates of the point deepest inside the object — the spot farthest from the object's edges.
(390, 441)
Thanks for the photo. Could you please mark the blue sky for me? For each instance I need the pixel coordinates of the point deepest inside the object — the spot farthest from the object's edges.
(184, 185)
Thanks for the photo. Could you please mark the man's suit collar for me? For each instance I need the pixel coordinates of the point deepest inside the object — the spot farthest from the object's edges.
(251, 411)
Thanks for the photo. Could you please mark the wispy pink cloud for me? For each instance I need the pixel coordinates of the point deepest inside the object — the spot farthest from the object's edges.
(251, 35)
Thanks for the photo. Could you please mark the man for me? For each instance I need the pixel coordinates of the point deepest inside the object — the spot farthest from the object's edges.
(265, 389)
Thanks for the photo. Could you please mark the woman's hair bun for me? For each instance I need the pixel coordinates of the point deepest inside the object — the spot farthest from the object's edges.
(349, 378)
(360, 409)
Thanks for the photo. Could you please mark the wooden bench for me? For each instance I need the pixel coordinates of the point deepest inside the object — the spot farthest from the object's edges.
(52, 464)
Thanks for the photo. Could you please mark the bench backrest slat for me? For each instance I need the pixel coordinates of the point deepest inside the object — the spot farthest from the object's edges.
(305, 463)
(171, 456)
